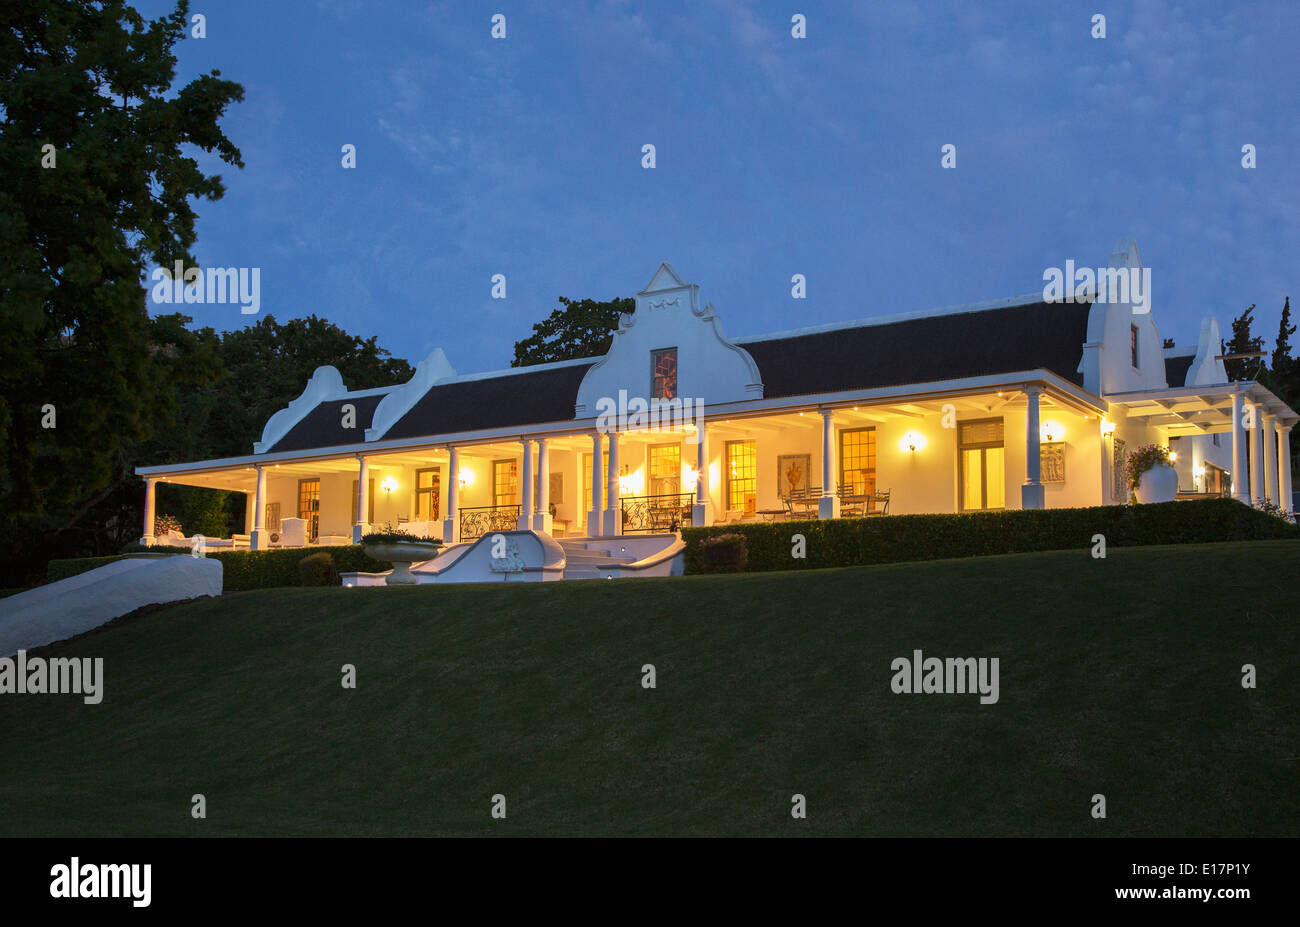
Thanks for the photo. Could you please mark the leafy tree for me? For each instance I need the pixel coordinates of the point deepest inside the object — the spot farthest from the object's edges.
(582, 328)
(97, 188)
(268, 364)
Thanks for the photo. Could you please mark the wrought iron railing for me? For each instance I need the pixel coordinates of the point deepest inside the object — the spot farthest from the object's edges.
(476, 522)
(656, 514)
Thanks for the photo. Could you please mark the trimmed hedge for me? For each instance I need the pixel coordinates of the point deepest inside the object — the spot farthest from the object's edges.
(895, 538)
(56, 570)
(246, 569)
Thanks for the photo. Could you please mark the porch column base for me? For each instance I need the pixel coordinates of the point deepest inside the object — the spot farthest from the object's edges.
(1032, 496)
(700, 515)
(594, 522)
(357, 531)
(828, 507)
(449, 531)
(543, 522)
(525, 522)
(611, 525)
(260, 539)
(148, 540)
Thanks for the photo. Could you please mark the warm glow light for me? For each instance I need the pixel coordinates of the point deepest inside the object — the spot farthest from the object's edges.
(912, 441)
(465, 477)
(692, 476)
(1107, 427)
(388, 484)
(1052, 431)
(1173, 455)
(1198, 472)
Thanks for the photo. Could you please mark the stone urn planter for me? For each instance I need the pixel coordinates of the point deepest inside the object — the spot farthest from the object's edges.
(1159, 484)
(401, 554)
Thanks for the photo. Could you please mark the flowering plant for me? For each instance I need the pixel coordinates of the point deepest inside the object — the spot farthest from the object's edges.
(165, 524)
(1142, 460)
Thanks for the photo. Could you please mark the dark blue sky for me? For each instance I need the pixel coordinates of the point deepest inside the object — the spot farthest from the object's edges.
(776, 156)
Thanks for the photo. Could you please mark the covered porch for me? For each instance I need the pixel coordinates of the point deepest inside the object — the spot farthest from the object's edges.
(987, 446)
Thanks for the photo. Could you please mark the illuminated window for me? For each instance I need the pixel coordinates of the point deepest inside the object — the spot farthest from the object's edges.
(309, 506)
(663, 374)
(981, 465)
(428, 483)
(742, 477)
(665, 469)
(505, 482)
(586, 477)
(858, 460)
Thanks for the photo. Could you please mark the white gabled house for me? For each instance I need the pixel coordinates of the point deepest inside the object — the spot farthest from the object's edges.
(1017, 404)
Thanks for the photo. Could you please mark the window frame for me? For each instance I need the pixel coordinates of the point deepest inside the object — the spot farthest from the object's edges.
(840, 457)
(655, 354)
(312, 515)
(434, 492)
(1135, 355)
(982, 447)
(496, 492)
(732, 481)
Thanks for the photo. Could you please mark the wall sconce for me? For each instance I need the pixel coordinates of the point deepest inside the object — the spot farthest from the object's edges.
(388, 485)
(1052, 432)
(1107, 427)
(1173, 456)
(912, 441)
(692, 476)
(465, 477)
(1198, 472)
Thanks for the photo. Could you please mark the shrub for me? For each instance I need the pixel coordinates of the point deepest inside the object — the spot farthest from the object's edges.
(244, 569)
(317, 570)
(724, 553)
(56, 570)
(165, 524)
(852, 541)
(396, 535)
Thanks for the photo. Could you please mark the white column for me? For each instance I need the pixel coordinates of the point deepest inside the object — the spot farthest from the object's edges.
(828, 506)
(1284, 466)
(1257, 456)
(259, 539)
(362, 514)
(1239, 482)
(1270, 458)
(596, 513)
(250, 506)
(1032, 495)
(525, 522)
(542, 520)
(613, 507)
(147, 538)
(450, 524)
(700, 510)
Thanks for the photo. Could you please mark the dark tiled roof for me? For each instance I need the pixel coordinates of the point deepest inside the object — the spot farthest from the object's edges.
(523, 398)
(1176, 369)
(323, 425)
(942, 347)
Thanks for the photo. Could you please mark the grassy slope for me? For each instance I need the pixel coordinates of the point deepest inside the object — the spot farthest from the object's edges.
(767, 685)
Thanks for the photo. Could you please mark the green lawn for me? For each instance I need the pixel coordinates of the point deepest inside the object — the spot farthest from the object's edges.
(1119, 676)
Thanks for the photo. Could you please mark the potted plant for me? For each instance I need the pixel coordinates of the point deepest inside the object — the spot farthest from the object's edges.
(724, 553)
(401, 549)
(1151, 475)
